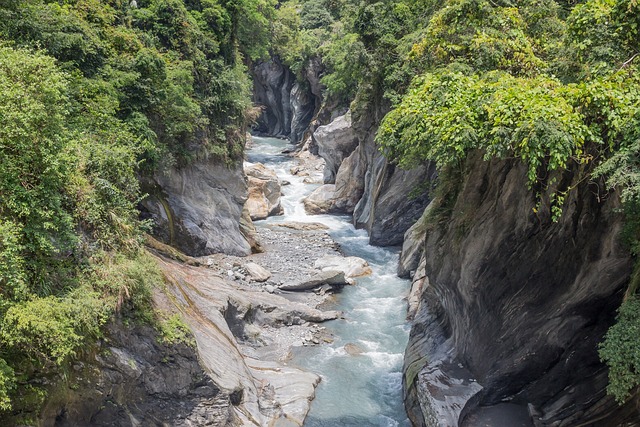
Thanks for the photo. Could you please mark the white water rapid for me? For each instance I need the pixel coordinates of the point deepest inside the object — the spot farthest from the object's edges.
(363, 389)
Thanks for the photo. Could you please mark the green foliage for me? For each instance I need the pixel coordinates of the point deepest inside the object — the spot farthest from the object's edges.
(314, 14)
(50, 330)
(445, 115)
(621, 350)
(7, 383)
(173, 330)
(479, 34)
(345, 57)
(125, 281)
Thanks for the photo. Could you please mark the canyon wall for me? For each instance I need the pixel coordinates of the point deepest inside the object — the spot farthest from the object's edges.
(509, 307)
(288, 105)
(198, 208)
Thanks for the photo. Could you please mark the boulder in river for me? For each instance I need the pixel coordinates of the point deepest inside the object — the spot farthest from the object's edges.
(321, 201)
(352, 349)
(351, 266)
(264, 191)
(330, 277)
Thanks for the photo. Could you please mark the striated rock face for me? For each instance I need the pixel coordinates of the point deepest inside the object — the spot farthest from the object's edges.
(288, 107)
(197, 208)
(510, 306)
(264, 191)
(335, 142)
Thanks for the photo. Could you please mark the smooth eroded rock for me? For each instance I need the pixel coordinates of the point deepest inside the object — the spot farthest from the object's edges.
(257, 272)
(197, 208)
(520, 300)
(331, 277)
(264, 191)
(351, 266)
(335, 142)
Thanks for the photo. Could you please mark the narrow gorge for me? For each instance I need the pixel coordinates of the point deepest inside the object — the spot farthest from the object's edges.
(319, 213)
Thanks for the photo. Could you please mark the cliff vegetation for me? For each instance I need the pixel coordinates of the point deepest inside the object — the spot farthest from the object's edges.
(93, 95)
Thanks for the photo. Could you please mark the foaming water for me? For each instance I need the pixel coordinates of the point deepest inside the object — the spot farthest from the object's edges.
(361, 387)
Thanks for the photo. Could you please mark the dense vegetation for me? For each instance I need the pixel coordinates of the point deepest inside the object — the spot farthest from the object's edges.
(552, 83)
(94, 94)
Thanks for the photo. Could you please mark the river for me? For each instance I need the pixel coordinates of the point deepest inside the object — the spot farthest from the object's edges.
(363, 389)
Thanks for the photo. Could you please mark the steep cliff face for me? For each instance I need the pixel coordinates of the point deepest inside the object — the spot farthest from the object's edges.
(510, 307)
(288, 106)
(197, 208)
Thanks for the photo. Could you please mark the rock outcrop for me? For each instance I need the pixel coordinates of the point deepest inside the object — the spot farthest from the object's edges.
(288, 106)
(264, 191)
(510, 306)
(197, 208)
(383, 199)
(225, 319)
(335, 141)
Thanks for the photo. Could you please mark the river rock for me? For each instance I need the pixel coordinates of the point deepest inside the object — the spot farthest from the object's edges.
(320, 201)
(329, 277)
(335, 142)
(351, 266)
(352, 349)
(264, 191)
(257, 272)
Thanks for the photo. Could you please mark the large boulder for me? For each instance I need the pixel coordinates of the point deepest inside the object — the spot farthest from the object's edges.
(321, 200)
(264, 191)
(197, 208)
(335, 142)
(329, 277)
